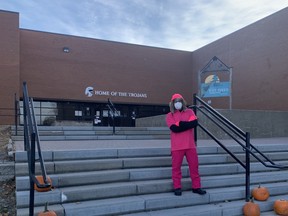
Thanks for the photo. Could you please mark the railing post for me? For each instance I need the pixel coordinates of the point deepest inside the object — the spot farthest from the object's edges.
(247, 196)
(26, 134)
(113, 115)
(16, 114)
(32, 173)
(195, 111)
(113, 121)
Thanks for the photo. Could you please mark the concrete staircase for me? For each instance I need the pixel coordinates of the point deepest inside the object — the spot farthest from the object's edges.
(56, 133)
(137, 181)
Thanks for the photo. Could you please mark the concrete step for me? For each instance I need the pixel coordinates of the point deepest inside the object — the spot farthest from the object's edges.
(269, 149)
(95, 133)
(119, 163)
(168, 204)
(108, 176)
(228, 208)
(109, 190)
(67, 166)
(99, 137)
(87, 128)
(137, 181)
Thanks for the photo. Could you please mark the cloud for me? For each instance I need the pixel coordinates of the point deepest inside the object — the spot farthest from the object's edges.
(204, 23)
(181, 24)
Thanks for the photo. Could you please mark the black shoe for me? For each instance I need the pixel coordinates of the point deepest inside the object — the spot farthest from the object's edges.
(178, 192)
(199, 191)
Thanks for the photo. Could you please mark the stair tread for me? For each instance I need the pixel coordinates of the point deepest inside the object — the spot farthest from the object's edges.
(139, 203)
(138, 182)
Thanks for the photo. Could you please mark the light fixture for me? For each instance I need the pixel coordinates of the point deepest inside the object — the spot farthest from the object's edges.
(66, 49)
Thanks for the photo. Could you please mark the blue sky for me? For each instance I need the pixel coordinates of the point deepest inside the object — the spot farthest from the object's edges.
(174, 24)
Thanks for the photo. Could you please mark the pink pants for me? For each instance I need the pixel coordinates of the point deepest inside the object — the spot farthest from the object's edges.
(192, 159)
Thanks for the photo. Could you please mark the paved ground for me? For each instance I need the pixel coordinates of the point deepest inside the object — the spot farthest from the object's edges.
(94, 144)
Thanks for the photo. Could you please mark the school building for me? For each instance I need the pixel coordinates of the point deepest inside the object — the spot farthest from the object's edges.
(71, 78)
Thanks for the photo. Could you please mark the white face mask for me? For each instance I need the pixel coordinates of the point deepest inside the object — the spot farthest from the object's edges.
(178, 105)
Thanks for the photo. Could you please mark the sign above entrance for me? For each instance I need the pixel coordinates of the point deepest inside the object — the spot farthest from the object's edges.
(90, 92)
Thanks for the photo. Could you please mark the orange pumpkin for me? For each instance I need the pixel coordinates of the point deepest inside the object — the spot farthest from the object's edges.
(47, 212)
(281, 207)
(251, 209)
(41, 181)
(260, 193)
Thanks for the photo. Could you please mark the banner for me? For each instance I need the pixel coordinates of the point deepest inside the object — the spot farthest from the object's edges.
(215, 89)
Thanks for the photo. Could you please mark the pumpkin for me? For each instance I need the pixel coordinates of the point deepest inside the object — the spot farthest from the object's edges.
(41, 181)
(47, 212)
(281, 207)
(251, 208)
(260, 193)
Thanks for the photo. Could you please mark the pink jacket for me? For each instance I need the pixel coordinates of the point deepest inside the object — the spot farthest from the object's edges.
(185, 139)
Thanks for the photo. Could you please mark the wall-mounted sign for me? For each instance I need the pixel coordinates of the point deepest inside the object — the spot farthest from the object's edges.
(210, 85)
(89, 92)
(215, 89)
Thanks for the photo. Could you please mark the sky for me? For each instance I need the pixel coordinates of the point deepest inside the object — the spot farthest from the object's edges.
(173, 24)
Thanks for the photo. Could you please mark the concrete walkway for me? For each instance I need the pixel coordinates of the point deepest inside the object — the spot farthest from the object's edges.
(100, 144)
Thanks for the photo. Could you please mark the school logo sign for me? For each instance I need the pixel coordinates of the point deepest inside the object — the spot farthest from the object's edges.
(89, 91)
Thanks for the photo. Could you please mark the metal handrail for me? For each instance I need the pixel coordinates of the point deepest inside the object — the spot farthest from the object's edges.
(273, 165)
(30, 137)
(234, 132)
(113, 113)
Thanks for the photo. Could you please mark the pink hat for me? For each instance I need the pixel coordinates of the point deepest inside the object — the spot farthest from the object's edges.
(175, 96)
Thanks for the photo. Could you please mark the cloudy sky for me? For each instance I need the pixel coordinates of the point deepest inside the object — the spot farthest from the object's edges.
(174, 24)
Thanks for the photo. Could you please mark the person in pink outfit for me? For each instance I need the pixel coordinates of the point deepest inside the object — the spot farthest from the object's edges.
(182, 121)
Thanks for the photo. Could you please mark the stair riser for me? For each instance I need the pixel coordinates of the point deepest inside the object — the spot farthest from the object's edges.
(96, 154)
(138, 180)
(126, 163)
(204, 152)
(65, 180)
(101, 191)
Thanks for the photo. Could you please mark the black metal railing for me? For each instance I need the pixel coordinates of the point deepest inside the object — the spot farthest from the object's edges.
(31, 137)
(238, 135)
(113, 113)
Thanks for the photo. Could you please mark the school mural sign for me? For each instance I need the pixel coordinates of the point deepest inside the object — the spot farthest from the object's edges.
(215, 80)
(215, 89)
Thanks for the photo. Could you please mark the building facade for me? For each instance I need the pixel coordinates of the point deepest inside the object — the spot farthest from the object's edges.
(72, 78)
